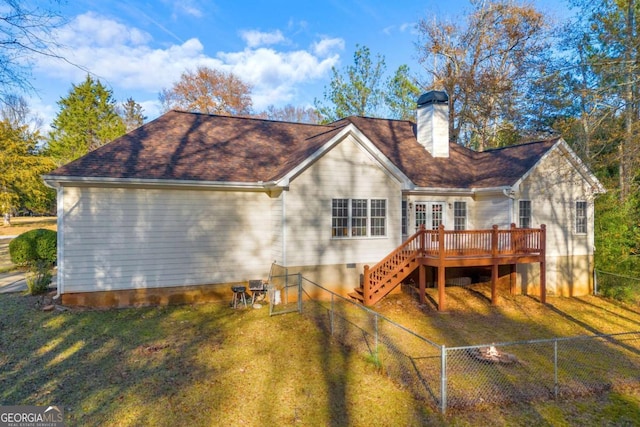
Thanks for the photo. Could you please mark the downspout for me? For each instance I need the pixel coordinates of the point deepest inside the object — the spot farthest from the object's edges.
(284, 228)
(510, 194)
(60, 254)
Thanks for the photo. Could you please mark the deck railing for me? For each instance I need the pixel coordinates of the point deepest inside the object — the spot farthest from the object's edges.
(460, 243)
(443, 244)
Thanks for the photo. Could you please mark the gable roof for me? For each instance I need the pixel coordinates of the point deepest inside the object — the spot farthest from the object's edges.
(180, 146)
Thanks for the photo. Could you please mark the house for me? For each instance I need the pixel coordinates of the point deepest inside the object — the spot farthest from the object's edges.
(190, 200)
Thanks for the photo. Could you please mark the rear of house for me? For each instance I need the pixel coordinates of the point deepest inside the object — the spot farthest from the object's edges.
(191, 200)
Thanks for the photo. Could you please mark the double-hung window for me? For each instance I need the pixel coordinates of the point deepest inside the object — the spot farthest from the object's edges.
(340, 218)
(524, 213)
(581, 217)
(358, 218)
(378, 217)
(459, 215)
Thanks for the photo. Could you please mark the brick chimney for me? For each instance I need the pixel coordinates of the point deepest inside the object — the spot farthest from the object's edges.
(433, 123)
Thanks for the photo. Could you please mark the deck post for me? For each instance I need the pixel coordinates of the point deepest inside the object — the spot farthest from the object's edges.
(513, 279)
(366, 286)
(441, 271)
(494, 264)
(423, 281)
(543, 264)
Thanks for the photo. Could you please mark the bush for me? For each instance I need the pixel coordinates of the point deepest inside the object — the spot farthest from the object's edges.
(39, 278)
(33, 247)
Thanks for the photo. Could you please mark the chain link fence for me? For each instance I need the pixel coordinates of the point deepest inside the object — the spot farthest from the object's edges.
(559, 368)
(617, 286)
(469, 376)
(284, 291)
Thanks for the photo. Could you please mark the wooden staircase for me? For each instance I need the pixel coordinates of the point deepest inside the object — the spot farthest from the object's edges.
(383, 277)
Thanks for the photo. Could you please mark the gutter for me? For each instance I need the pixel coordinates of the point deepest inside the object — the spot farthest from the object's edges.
(470, 192)
(55, 181)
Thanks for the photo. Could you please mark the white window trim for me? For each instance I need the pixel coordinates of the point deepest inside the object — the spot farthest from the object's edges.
(466, 214)
(369, 218)
(575, 218)
(530, 213)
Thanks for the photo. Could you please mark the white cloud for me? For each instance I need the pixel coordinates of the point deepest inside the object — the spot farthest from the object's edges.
(255, 38)
(274, 75)
(91, 29)
(327, 46)
(186, 7)
(130, 61)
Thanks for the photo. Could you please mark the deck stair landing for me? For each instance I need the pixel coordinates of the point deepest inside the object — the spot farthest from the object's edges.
(453, 248)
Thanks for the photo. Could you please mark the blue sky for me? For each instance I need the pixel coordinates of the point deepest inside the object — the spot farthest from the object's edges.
(284, 49)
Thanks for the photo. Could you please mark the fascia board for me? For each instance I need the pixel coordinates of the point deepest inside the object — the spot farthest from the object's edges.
(365, 142)
(56, 181)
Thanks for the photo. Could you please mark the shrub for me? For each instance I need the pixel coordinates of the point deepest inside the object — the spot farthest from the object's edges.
(33, 247)
(38, 278)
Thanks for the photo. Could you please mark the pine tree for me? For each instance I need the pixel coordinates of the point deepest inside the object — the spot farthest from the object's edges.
(20, 168)
(131, 113)
(88, 118)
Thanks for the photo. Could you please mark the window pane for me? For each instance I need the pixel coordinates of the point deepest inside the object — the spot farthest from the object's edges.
(359, 217)
(581, 217)
(378, 217)
(436, 215)
(340, 218)
(405, 219)
(459, 215)
(525, 213)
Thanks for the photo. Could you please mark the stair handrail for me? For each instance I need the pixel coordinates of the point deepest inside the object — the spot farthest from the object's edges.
(417, 236)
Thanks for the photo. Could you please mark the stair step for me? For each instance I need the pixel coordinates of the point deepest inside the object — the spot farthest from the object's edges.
(356, 296)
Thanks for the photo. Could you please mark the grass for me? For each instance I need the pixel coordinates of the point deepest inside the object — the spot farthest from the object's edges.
(25, 223)
(212, 365)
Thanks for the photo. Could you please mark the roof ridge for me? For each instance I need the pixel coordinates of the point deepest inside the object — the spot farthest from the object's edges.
(247, 118)
(554, 139)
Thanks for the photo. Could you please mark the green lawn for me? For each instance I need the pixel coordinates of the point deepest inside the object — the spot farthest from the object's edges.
(211, 365)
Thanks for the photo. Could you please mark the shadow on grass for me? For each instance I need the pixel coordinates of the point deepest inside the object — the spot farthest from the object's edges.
(117, 365)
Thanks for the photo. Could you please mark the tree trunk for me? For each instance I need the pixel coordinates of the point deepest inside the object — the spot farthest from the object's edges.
(625, 147)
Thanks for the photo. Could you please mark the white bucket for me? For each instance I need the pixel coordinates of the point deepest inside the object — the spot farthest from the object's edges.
(276, 297)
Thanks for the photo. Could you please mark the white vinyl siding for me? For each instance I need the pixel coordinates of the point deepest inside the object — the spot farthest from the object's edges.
(141, 238)
(345, 172)
(486, 211)
(553, 188)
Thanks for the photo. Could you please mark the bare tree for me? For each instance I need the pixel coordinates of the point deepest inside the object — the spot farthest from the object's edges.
(208, 91)
(289, 113)
(25, 31)
(484, 62)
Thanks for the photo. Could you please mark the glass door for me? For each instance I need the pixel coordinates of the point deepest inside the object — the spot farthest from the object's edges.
(431, 214)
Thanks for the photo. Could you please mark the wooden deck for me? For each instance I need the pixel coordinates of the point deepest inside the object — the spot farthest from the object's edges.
(448, 248)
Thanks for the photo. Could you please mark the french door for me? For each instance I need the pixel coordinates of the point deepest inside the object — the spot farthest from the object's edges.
(429, 214)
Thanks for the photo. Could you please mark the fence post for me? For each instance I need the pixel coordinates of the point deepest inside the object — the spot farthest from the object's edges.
(556, 386)
(443, 379)
(299, 292)
(331, 314)
(375, 324)
(366, 284)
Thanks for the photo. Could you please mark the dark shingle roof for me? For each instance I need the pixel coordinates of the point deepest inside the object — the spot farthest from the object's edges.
(200, 147)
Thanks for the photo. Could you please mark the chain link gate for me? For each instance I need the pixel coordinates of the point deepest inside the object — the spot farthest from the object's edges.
(284, 292)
